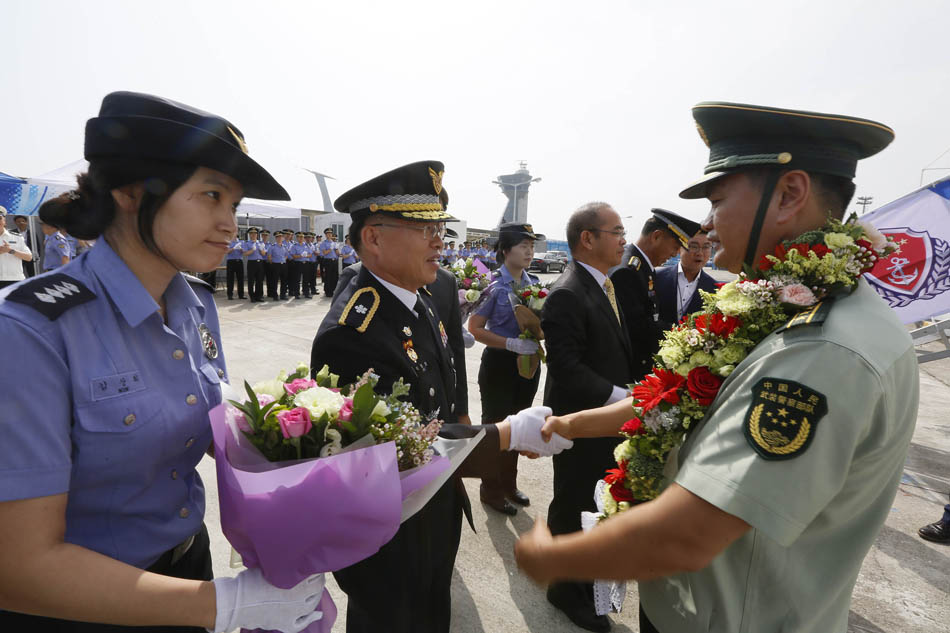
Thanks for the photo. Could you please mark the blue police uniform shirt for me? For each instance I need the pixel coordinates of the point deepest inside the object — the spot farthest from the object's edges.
(465, 253)
(235, 250)
(327, 249)
(311, 252)
(302, 251)
(497, 308)
(258, 250)
(73, 246)
(450, 255)
(116, 410)
(277, 253)
(348, 253)
(54, 248)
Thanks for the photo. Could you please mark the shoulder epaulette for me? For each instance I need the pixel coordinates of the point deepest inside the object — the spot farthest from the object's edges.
(360, 309)
(52, 295)
(195, 281)
(634, 262)
(814, 315)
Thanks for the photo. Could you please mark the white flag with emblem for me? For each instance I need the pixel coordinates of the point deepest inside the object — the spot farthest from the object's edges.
(915, 280)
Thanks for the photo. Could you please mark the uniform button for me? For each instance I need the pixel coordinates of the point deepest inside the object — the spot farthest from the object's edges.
(178, 354)
(220, 373)
(183, 513)
(191, 399)
(190, 442)
(174, 474)
(431, 391)
(452, 361)
(129, 419)
(453, 407)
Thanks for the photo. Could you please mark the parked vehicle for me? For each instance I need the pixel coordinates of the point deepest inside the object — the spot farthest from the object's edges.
(548, 262)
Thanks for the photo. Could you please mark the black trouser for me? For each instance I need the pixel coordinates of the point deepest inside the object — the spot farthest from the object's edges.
(194, 565)
(235, 269)
(331, 274)
(29, 269)
(280, 279)
(309, 278)
(503, 392)
(255, 279)
(270, 279)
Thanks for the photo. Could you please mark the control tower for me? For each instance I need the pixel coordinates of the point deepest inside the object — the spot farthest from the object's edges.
(515, 187)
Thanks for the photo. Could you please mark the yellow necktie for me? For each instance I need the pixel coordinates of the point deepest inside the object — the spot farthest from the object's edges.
(612, 297)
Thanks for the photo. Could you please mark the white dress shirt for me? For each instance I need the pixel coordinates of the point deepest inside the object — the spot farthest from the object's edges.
(685, 290)
(11, 266)
(406, 297)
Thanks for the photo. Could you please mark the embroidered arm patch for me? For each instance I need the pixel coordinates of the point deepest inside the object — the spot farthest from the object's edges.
(781, 421)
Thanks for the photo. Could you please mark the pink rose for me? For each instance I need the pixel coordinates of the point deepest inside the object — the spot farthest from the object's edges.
(263, 399)
(467, 283)
(299, 384)
(234, 416)
(461, 296)
(346, 411)
(295, 422)
(797, 295)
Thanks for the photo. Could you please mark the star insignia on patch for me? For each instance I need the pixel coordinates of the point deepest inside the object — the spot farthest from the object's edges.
(361, 309)
(782, 418)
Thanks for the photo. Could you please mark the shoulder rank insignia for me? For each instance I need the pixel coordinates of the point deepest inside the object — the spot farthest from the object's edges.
(814, 315)
(634, 262)
(783, 417)
(197, 281)
(360, 309)
(52, 295)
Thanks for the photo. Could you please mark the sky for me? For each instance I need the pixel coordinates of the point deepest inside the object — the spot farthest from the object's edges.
(595, 96)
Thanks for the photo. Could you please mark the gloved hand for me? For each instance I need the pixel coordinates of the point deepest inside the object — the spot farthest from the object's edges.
(526, 433)
(521, 346)
(468, 339)
(249, 601)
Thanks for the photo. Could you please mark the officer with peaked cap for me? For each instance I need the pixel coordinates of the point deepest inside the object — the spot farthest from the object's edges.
(635, 281)
(746, 537)
(101, 507)
(384, 319)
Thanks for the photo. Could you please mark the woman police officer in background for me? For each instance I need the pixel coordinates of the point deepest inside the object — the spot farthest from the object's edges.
(503, 391)
(116, 361)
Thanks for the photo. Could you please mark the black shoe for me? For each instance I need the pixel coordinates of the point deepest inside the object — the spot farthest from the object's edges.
(306, 296)
(520, 498)
(241, 297)
(938, 532)
(230, 298)
(502, 506)
(581, 615)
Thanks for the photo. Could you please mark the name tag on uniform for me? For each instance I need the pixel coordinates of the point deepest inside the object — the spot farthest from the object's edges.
(118, 385)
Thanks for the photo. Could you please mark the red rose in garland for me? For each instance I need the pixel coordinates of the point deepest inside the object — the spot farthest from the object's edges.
(632, 426)
(820, 250)
(659, 386)
(620, 493)
(723, 326)
(703, 385)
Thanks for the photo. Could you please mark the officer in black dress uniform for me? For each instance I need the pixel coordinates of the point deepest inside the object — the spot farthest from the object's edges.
(635, 281)
(385, 319)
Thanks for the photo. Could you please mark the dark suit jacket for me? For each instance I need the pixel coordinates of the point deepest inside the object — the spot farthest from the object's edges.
(666, 290)
(634, 283)
(588, 353)
(445, 295)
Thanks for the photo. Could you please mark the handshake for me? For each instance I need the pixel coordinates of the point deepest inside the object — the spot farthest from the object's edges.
(531, 435)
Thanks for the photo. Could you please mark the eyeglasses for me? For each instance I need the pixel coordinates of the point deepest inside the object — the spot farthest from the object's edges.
(614, 232)
(429, 231)
(696, 248)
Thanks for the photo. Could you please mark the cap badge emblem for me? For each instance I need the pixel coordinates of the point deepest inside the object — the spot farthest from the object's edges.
(240, 141)
(436, 180)
(207, 342)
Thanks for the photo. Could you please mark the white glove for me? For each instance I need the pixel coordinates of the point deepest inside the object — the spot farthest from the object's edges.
(526, 433)
(468, 339)
(523, 346)
(249, 601)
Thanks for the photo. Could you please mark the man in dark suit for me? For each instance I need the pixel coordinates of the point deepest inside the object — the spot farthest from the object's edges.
(386, 320)
(590, 363)
(635, 282)
(677, 287)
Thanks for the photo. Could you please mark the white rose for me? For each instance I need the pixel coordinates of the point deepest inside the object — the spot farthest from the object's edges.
(318, 400)
(272, 388)
(875, 237)
(380, 409)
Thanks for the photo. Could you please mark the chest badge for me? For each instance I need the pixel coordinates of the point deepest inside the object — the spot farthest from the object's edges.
(207, 342)
(410, 351)
(782, 418)
(445, 337)
(407, 331)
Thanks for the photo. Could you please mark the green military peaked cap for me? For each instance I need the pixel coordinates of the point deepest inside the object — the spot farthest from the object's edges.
(742, 136)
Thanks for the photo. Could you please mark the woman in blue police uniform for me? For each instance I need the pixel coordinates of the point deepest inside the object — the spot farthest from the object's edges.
(100, 504)
(55, 247)
(503, 390)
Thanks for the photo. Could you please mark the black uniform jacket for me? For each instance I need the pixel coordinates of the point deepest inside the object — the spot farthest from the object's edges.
(634, 282)
(588, 353)
(666, 294)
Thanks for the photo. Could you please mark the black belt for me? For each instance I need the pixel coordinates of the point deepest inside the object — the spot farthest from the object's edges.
(175, 554)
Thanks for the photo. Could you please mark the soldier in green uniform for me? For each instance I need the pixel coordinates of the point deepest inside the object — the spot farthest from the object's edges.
(748, 537)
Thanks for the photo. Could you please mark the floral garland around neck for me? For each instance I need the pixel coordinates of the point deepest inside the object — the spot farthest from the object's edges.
(696, 356)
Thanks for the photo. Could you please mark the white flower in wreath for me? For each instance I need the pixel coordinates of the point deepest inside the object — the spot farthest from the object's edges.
(318, 400)
(875, 237)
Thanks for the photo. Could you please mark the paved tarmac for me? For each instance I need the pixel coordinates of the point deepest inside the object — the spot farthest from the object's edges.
(904, 584)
